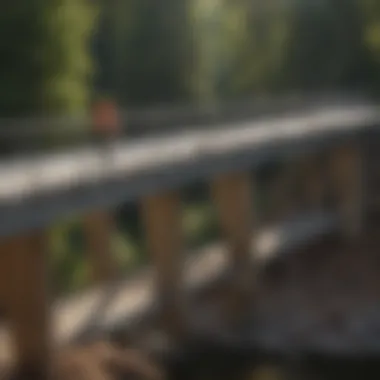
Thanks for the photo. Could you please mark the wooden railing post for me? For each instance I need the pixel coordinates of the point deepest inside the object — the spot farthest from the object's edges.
(26, 302)
(347, 180)
(232, 194)
(98, 227)
(163, 225)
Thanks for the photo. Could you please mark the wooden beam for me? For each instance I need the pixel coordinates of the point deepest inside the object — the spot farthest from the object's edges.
(347, 182)
(232, 194)
(27, 303)
(98, 227)
(163, 226)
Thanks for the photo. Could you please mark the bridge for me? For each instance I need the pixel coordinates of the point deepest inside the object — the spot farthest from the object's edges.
(215, 297)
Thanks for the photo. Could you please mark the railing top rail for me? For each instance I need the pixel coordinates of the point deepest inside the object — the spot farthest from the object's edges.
(36, 191)
(141, 120)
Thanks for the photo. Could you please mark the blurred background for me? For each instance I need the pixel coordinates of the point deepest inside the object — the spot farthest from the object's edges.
(170, 66)
(61, 56)
(166, 66)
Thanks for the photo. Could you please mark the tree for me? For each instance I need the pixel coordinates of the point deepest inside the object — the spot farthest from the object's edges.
(370, 12)
(244, 43)
(143, 49)
(326, 48)
(260, 57)
(45, 65)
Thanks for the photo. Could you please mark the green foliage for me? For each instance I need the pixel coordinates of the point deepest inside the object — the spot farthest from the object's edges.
(258, 61)
(327, 47)
(199, 224)
(142, 49)
(207, 19)
(150, 51)
(67, 248)
(21, 71)
(371, 16)
(258, 48)
(45, 66)
(66, 57)
(70, 266)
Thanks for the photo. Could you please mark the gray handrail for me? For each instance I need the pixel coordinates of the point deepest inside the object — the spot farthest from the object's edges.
(35, 191)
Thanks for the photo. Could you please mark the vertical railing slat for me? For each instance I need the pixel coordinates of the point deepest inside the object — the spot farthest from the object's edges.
(161, 215)
(98, 227)
(232, 194)
(27, 303)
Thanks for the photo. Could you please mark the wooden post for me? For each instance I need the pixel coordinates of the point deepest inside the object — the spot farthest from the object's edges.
(27, 303)
(347, 180)
(98, 228)
(233, 198)
(163, 225)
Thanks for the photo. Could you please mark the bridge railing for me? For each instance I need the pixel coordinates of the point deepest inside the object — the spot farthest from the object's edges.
(34, 133)
(36, 192)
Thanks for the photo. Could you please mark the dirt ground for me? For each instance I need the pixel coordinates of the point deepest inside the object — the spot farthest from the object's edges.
(324, 297)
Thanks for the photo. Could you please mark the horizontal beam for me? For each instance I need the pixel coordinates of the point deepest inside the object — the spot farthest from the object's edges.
(37, 191)
(166, 118)
(129, 300)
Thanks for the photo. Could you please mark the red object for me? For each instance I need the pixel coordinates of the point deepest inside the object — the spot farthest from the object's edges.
(106, 120)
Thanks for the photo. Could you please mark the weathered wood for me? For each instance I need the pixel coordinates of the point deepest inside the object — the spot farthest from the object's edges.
(232, 194)
(98, 228)
(163, 225)
(347, 181)
(27, 302)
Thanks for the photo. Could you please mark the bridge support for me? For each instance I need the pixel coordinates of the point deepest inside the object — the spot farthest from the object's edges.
(26, 302)
(347, 179)
(163, 224)
(232, 194)
(98, 228)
